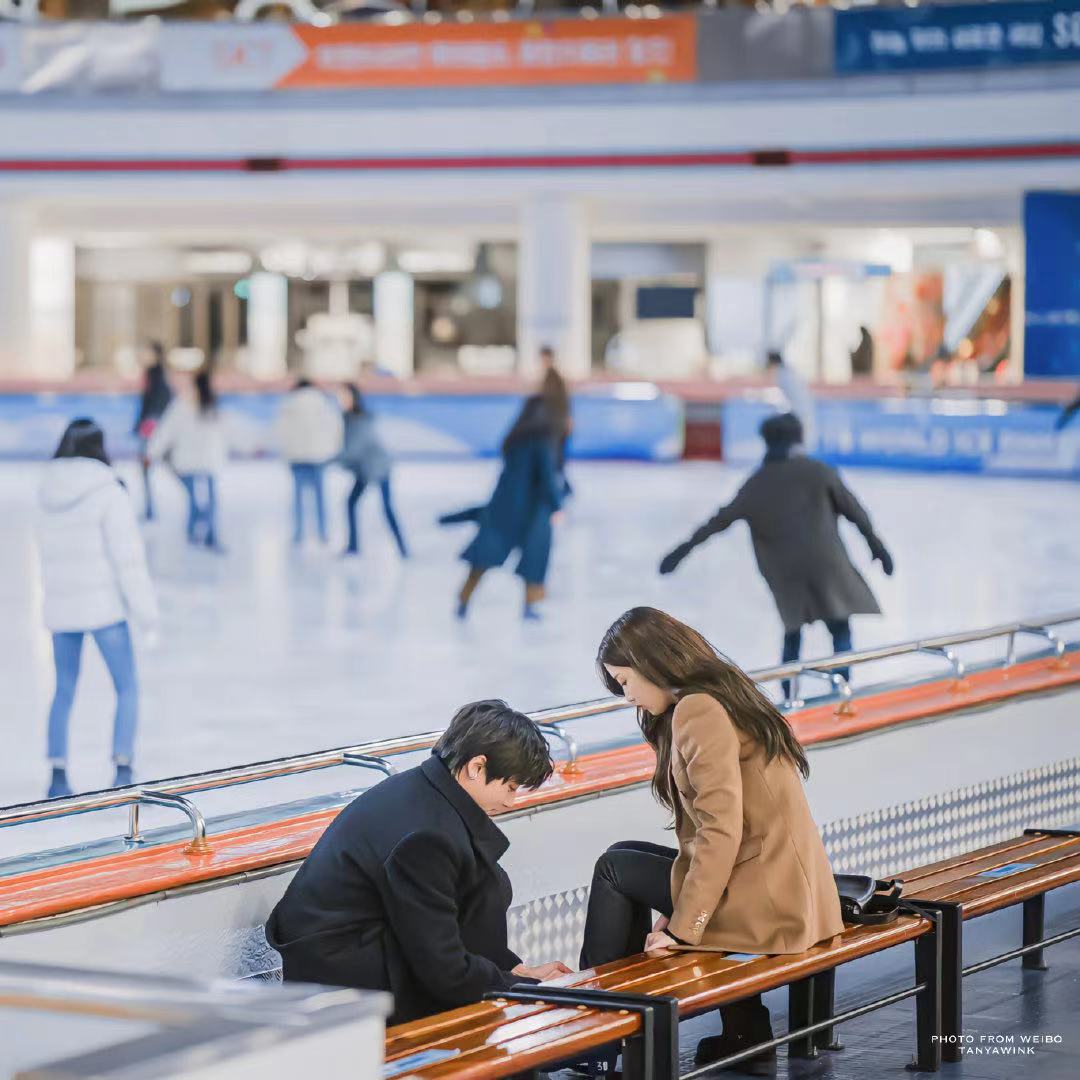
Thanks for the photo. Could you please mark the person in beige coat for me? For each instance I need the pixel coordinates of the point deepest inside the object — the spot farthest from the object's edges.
(750, 873)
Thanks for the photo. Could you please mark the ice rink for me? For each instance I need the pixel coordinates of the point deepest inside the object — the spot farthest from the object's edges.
(269, 650)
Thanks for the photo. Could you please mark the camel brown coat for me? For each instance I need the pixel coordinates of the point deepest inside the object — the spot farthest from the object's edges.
(752, 874)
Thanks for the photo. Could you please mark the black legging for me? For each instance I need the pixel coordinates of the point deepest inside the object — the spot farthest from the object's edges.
(631, 880)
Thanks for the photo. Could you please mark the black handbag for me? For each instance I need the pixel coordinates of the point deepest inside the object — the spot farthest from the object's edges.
(866, 901)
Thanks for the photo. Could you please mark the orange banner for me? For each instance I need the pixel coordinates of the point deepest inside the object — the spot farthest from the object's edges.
(498, 54)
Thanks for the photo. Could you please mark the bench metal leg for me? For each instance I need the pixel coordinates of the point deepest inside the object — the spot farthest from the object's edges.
(800, 1015)
(824, 1007)
(951, 929)
(928, 1001)
(1034, 930)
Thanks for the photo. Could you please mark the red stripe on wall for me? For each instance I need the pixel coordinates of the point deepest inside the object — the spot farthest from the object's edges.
(769, 158)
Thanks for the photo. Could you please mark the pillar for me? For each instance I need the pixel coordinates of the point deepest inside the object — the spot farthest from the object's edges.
(734, 309)
(268, 326)
(553, 302)
(52, 307)
(393, 306)
(16, 228)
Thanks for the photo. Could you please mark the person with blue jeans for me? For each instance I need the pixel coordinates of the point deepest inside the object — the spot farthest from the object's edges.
(202, 508)
(114, 644)
(95, 579)
(364, 455)
(192, 434)
(309, 432)
(792, 504)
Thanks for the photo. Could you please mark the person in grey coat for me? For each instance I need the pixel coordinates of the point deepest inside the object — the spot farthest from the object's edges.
(791, 504)
(364, 455)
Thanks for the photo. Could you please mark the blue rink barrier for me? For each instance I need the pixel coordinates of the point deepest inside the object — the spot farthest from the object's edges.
(990, 437)
(636, 422)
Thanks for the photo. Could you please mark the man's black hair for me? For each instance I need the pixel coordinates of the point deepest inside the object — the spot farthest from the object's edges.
(514, 748)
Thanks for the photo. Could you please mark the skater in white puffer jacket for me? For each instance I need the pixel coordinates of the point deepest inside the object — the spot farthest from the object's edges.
(95, 580)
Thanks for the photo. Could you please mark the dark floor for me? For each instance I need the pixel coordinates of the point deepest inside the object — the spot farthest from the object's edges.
(1000, 1005)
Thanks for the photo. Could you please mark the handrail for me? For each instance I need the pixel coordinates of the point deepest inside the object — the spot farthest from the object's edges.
(373, 755)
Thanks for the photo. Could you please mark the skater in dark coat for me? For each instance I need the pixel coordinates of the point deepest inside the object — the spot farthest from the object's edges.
(791, 504)
(519, 514)
(404, 892)
(155, 399)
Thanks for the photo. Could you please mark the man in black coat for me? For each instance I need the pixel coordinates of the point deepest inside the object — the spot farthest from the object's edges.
(404, 892)
(792, 503)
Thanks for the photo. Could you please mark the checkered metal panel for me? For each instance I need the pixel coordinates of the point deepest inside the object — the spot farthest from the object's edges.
(881, 842)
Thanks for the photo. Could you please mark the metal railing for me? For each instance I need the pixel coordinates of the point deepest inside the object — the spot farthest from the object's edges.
(373, 755)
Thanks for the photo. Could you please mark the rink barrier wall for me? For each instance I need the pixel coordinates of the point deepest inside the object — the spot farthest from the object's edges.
(609, 422)
(631, 421)
(988, 437)
(36, 895)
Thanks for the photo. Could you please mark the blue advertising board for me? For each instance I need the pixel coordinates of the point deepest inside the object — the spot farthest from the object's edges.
(927, 38)
(1052, 286)
(989, 437)
(638, 422)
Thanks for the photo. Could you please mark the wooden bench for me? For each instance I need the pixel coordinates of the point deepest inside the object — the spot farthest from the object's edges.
(543, 1026)
(1017, 871)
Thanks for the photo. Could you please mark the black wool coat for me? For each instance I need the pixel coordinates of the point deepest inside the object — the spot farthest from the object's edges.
(403, 892)
(792, 507)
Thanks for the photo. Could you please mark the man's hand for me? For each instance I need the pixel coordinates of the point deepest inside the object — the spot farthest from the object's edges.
(673, 558)
(657, 940)
(544, 971)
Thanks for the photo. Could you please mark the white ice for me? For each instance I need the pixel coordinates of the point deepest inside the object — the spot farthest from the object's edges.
(267, 650)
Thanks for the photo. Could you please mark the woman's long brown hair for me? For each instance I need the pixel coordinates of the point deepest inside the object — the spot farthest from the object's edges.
(675, 657)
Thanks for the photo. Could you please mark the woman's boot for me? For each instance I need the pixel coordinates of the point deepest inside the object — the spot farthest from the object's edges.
(746, 1023)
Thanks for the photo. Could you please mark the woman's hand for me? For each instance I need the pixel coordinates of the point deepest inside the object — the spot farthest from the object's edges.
(658, 940)
(660, 924)
(543, 972)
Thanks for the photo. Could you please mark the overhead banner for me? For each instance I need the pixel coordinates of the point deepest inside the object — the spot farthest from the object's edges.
(574, 51)
(1052, 284)
(534, 53)
(926, 38)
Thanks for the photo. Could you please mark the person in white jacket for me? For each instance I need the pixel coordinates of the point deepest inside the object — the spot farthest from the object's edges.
(192, 435)
(309, 431)
(95, 580)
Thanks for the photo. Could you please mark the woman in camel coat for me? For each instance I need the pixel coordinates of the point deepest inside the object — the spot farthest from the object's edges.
(750, 873)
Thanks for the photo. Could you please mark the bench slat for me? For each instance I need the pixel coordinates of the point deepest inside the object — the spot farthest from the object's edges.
(1048, 850)
(1017, 845)
(981, 898)
(589, 1030)
(705, 979)
(491, 1024)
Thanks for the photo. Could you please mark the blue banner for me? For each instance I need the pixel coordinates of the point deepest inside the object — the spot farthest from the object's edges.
(926, 38)
(1052, 288)
(629, 421)
(972, 436)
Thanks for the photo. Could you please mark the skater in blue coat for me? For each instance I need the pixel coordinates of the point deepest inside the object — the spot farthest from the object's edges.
(518, 516)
